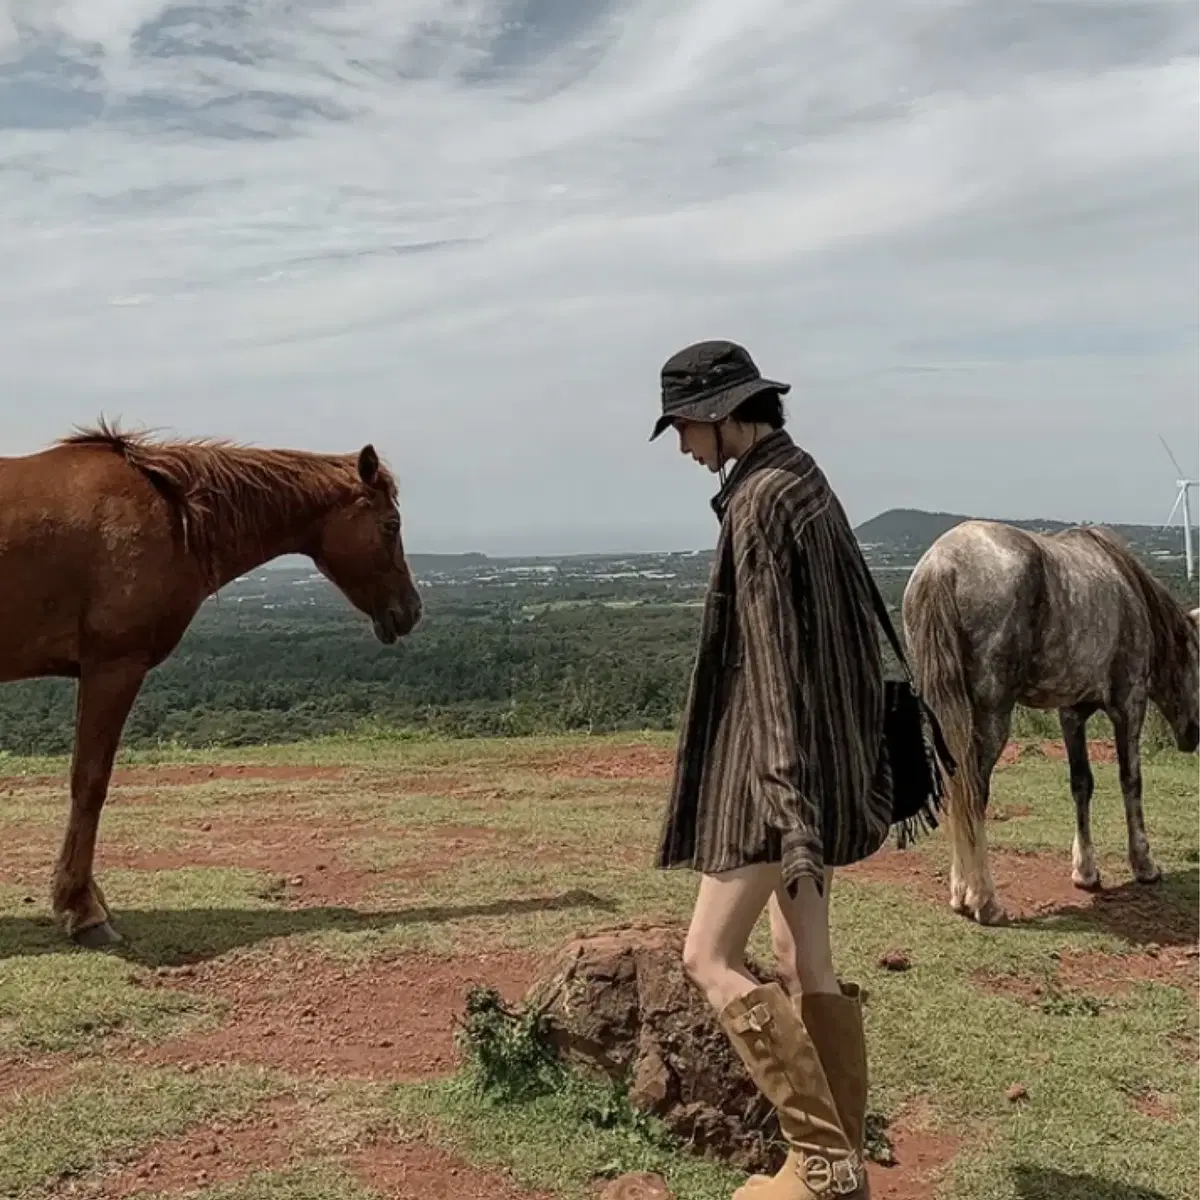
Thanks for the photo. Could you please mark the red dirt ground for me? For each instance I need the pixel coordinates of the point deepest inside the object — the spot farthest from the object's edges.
(1115, 974)
(920, 1157)
(419, 1171)
(203, 1157)
(175, 776)
(390, 1020)
(618, 762)
(1154, 1106)
(315, 857)
(1032, 885)
(25, 1077)
(273, 1140)
(1099, 751)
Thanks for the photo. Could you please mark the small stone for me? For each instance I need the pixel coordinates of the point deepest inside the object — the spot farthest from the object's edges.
(1018, 1091)
(895, 960)
(385, 1043)
(206, 827)
(295, 881)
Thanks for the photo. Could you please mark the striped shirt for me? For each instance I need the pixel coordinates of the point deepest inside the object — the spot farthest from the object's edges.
(780, 755)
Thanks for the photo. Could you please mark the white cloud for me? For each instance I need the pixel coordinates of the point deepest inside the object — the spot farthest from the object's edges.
(471, 232)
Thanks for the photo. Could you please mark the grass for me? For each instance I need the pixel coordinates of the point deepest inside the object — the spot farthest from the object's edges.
(59, 1002)
(44, 1139)
(572, 855)
(561, 1142)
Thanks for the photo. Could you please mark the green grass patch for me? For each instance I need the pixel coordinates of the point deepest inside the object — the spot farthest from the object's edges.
(45, 1139)
(72, 1001)
(938, 1037)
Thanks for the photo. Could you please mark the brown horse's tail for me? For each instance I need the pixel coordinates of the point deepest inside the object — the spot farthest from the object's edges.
(938, 651)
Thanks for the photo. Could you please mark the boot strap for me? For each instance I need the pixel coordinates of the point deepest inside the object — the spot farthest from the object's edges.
(756, 1018)
(836, 1177)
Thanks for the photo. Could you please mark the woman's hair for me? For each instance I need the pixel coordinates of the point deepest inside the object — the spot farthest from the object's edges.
(765, 408)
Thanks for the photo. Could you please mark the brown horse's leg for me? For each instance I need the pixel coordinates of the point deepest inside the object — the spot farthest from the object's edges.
(105, 696)
(1084, 872)
(1127, 727)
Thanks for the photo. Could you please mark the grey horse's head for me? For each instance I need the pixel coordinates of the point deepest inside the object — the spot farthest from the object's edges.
(1182, 709)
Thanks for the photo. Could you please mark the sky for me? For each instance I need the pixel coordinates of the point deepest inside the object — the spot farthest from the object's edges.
(470, 233)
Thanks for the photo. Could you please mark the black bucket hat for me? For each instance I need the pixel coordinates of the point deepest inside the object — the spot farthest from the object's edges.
(706, 381)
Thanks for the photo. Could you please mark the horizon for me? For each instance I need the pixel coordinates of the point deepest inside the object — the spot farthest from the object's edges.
(1176, 528)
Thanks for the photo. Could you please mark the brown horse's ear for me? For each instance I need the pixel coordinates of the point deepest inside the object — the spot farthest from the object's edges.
(368, 465)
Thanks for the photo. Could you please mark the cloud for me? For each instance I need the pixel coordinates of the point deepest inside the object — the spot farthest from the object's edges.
(471, 232)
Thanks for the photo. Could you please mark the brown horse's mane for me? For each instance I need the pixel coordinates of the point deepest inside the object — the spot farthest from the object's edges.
(227, 493)
(1169, 622)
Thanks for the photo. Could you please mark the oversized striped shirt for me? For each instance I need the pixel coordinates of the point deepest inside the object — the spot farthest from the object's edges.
(780, 756)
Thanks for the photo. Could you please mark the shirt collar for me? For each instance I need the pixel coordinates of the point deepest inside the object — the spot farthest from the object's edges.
(759, 454)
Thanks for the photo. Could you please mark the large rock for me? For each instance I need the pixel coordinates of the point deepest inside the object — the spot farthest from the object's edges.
(618, 1005)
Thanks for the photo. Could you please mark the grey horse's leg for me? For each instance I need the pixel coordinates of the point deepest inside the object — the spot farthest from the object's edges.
(1084, 873)
(1127, 726)
(991, 734)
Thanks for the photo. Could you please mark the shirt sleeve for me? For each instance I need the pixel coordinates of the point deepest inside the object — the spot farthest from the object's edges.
(772, 666)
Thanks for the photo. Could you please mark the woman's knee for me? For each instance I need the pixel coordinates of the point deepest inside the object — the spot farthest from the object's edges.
(700, 963)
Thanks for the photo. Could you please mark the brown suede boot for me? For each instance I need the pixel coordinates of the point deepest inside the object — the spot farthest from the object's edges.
(835, 1025)
(770, 1038)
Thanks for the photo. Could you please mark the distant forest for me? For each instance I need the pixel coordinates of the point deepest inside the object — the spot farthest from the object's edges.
(602, 647)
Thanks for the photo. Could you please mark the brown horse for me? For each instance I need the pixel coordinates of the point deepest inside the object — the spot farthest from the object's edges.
(109, 544)
(1072, 621)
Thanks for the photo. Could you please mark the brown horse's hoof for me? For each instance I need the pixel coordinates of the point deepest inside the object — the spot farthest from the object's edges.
(97, 937)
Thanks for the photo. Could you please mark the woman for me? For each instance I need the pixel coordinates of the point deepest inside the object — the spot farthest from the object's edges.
(780, 774)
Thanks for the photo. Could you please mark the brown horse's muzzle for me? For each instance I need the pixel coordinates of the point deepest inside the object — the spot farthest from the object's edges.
(397, 621)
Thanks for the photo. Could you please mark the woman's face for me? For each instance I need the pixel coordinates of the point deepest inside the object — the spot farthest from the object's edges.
(699, 440)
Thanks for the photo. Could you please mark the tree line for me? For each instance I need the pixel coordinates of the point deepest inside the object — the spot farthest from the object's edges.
(472, 668)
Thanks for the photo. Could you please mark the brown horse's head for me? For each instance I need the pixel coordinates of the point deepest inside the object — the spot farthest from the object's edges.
(360, 550)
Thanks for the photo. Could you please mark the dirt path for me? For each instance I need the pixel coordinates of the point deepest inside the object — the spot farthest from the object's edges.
(387, 1020)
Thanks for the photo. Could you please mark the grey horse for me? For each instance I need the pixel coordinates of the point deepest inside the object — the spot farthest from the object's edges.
(994, 617)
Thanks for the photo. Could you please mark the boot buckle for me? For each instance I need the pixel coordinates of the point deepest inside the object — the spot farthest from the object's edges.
(841, 1177)
(756, 1018)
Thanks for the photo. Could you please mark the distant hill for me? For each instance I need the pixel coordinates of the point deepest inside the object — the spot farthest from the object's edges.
(913, 528)
(446, 562)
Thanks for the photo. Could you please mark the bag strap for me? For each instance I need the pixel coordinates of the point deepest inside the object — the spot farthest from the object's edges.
(885, 620)
(941, 749)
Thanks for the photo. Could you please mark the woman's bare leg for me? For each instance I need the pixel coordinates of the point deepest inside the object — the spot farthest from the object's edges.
(800, 938)
(728, 906)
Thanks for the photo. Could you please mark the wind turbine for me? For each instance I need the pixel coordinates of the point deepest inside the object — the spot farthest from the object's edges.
(1182, 490)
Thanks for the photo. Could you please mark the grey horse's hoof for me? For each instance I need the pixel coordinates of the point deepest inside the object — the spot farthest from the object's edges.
(97, 937)
(990, 913)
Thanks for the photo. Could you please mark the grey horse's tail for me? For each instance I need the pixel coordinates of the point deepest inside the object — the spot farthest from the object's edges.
(938, 650)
